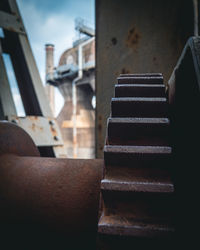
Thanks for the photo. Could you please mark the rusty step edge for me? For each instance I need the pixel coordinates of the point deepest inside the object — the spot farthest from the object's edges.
(140, 90)
(137, 122)
(138, 149)
(136, 186)
(139, 107)
(137, 179)
(140, 120)
(138, 135)
(132, 126)
(142, 74)
(140, 79)
(137, 156)
(114, 225)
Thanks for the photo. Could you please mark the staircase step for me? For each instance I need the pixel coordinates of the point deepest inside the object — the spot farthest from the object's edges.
(137, 156)
(137, 189)
(142, 74)
(139, 107)
(138, 131)
(148, 207)
(117, 225)
(137, 180)
(140, 90)
(140, 79)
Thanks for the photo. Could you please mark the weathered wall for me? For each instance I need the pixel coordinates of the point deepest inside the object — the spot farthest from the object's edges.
(82, 145)
(136, 36)
(85, 121)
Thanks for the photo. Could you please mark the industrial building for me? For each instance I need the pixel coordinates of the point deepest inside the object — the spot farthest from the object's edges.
(75, 78)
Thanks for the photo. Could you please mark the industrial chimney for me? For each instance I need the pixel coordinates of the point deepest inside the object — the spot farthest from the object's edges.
(49, 75)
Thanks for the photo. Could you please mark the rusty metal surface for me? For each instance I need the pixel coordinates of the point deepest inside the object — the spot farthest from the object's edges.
(146, 90)
(114, 225)
(53, 195)
(44, 131)
(140, 79)
(11, 22)
(142, 75)
(14, 140)
(61, 192)
(142, 156)
(136, 36)
(139, 107)
(46, 201)
(138, 131)
(137, 188)
(138, 180)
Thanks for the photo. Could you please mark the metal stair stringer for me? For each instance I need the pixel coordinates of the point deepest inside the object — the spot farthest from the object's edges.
(137, 189)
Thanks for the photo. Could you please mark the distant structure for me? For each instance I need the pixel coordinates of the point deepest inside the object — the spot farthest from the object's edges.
(49, 74)
(75, 78)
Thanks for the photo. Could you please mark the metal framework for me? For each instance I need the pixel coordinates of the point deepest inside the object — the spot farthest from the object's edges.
(16, 44)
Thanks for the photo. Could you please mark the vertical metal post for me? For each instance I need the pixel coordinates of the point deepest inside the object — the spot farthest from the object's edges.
(6, 98)
(74, 98)
(49, 49)
(30, 84)
(196, 17)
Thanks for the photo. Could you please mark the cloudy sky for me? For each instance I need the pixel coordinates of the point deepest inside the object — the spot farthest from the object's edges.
(51, 21)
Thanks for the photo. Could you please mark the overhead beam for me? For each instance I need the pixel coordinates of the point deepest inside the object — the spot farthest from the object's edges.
(11, 22)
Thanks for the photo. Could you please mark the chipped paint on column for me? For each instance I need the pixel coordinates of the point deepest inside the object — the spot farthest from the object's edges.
(135, 37)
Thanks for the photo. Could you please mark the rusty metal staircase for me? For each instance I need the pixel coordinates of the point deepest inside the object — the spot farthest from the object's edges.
(137, 189)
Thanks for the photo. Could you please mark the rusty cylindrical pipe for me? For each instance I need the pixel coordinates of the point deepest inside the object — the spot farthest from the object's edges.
(56, 200)
(14, 140)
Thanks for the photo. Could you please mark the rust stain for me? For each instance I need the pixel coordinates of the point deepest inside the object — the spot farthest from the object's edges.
(114, 40)
(33, 118)
(133, 38)
(100, 128)
(53, 131)
(33, 126)
(11, 29)
(125, 71)
(100, 123)
(122, 71)
(14, 30)
(155, 61)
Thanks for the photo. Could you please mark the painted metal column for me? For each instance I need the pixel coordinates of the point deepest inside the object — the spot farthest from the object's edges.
(136, 36)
